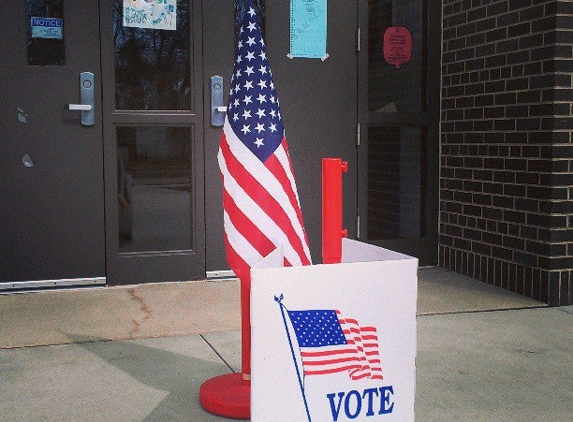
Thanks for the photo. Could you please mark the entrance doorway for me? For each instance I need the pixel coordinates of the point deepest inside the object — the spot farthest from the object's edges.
(399, 126)
(128, 191)
(153, 132)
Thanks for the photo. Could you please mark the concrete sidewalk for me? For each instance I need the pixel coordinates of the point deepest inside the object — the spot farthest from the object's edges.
(140, 353)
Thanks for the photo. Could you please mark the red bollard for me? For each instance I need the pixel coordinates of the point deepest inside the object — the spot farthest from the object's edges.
(332, 232)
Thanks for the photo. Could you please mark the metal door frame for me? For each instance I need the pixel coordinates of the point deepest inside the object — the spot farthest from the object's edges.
(129, 268)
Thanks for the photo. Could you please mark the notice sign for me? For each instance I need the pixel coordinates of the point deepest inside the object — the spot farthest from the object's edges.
(151, 14)
(397, 45)
(47, 28)
(334, 343)
(308, 29)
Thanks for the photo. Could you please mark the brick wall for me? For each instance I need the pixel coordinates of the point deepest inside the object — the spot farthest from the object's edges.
(506, 182)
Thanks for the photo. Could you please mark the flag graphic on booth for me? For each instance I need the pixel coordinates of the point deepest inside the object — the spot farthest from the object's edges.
(330, 343)
(327, 343)
(260, 199)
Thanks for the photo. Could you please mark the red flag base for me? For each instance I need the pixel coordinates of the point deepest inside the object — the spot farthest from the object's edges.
(227, 395)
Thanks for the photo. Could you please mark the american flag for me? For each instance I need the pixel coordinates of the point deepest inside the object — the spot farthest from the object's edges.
(260, 200)
(330, 343)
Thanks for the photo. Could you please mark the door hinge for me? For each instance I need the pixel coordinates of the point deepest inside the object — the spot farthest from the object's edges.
(358, 135)
(358, 226)
(358, 39)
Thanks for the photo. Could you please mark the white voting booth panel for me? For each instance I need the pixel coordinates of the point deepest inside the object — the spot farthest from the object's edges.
(334, 342)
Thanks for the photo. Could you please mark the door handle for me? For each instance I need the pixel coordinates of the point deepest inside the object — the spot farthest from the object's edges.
(218, 108)
(86, 107)
(80, 107)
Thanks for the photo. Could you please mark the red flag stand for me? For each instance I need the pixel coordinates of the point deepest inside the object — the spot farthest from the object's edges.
(332, 232)
(229, 395)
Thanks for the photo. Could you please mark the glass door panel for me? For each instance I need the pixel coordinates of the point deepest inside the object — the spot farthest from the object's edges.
(152, 66)
(399, 115)
(45, 32)
(397, 89)
(154, 189)
(397, 181)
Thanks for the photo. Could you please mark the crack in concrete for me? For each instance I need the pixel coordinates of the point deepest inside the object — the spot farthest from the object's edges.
(142, 307)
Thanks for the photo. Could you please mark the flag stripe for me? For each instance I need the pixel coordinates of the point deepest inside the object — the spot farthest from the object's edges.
(268, 184)
(240, 267)
(265, 223)
(238, 218)
(323, 362)
(252, 197)
(236, 241)
(275, 165)
(329, 371)
(248, 206)
(284, 158)
(327, 353)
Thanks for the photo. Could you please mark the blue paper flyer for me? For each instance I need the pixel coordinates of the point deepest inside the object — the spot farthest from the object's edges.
(308, 28)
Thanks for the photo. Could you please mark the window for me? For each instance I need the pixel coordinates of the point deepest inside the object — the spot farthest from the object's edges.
(45, 32)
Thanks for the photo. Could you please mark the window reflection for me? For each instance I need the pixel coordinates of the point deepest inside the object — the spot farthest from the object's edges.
(152, 66)
(396, 182)
(154, 188)
(393, 90)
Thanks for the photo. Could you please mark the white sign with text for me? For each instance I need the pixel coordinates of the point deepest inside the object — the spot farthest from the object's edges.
(334, 342)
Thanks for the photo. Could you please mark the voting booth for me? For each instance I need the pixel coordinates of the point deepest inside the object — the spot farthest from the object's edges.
(330, 342)
(334, 342)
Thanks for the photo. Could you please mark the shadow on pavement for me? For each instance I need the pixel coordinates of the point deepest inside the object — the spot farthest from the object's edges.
(179, 375)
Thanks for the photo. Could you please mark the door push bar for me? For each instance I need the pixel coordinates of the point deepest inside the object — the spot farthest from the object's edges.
(86, 107)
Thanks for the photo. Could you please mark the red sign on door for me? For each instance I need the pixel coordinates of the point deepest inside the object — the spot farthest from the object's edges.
(397, 45)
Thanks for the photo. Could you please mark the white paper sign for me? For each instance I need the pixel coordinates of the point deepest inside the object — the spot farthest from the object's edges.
(153, 14)
(334, 342)
(50, 28)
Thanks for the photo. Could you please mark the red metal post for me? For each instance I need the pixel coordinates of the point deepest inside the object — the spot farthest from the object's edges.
(332, 232)
(229, 395)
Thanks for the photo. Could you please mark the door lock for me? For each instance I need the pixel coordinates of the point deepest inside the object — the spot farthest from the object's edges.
(86, 99)
(218, 108)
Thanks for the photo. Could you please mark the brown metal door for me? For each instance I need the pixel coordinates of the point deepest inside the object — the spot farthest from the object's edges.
(51, 184)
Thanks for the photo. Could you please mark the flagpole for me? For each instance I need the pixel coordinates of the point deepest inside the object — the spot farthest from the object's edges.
(300, 382)
(229, 395)
(249, 140)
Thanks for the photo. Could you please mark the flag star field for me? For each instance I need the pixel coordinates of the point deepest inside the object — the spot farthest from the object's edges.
(317, 328)
(253, 109)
